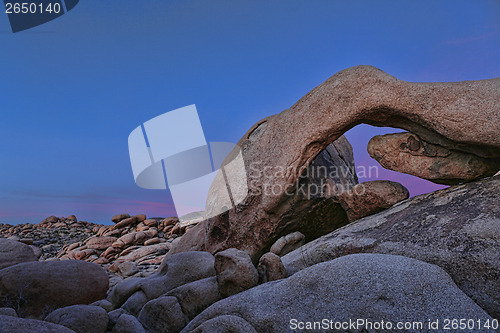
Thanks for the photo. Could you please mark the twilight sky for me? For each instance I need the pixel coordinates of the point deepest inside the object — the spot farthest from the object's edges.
(72, 90)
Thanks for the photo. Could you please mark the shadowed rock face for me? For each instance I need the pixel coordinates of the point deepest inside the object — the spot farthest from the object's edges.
(407, 153)
(460, 116)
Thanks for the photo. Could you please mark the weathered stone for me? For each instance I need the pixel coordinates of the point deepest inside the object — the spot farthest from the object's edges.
(150, 222)
(80, 318)
(135, 302)
(395, 288)
(8, 312)
(163, 315)
(143, 251)
(119, 217)
(36, 288)
(125, 269)
(457, 115)
(235, 272)
(105, 304)
(128, 324)
(270, 268)
(173, 272)
(407, 153)
(372, 197)
(36, 251)
(19, 325)
(140, 217)
(457, 228)
(126, 222)
(14, 252)
(196, 296)
(224, 324)
(100, 243)
(113, 317)
(288, 243)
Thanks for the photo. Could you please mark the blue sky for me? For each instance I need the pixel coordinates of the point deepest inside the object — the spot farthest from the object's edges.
(73, 89)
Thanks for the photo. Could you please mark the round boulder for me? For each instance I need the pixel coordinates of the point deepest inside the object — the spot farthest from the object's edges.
(36, 288)
(80, 318)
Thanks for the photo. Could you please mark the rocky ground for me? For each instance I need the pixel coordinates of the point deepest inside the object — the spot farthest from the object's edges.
(337, 250)
(133, 247)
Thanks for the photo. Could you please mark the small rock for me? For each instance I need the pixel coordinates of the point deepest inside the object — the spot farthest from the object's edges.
(128, 324)
(119, 217)
(288, 243)
(270, 268)
(8, 312)
(235, 272)
(163, 315)
(100, 243)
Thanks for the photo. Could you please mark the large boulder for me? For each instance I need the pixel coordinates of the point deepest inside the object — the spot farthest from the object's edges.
(37, 288)
(370, 287)
(13, 252)
(457, 228)
(10, 324)
(461, 116)
(80, 318)
(407, 153)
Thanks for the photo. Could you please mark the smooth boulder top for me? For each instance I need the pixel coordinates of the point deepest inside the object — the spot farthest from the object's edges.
(13, 252)
(359, 286)
(45, 286)
(10, 324)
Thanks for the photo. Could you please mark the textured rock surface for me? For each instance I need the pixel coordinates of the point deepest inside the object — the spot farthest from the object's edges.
(395, 288)
(36, 288)
(288, 243)
(80, 318)
(270, 268)
(235, 272)
(174, 271)
(224, 324)
(19, 325)
(196, 296)
(459, 115)
(128, 324)
(372, 197)
(407, 153)
(14, 252)
(8, 312)
(457, 229)
(163, 315)
(308, 209)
